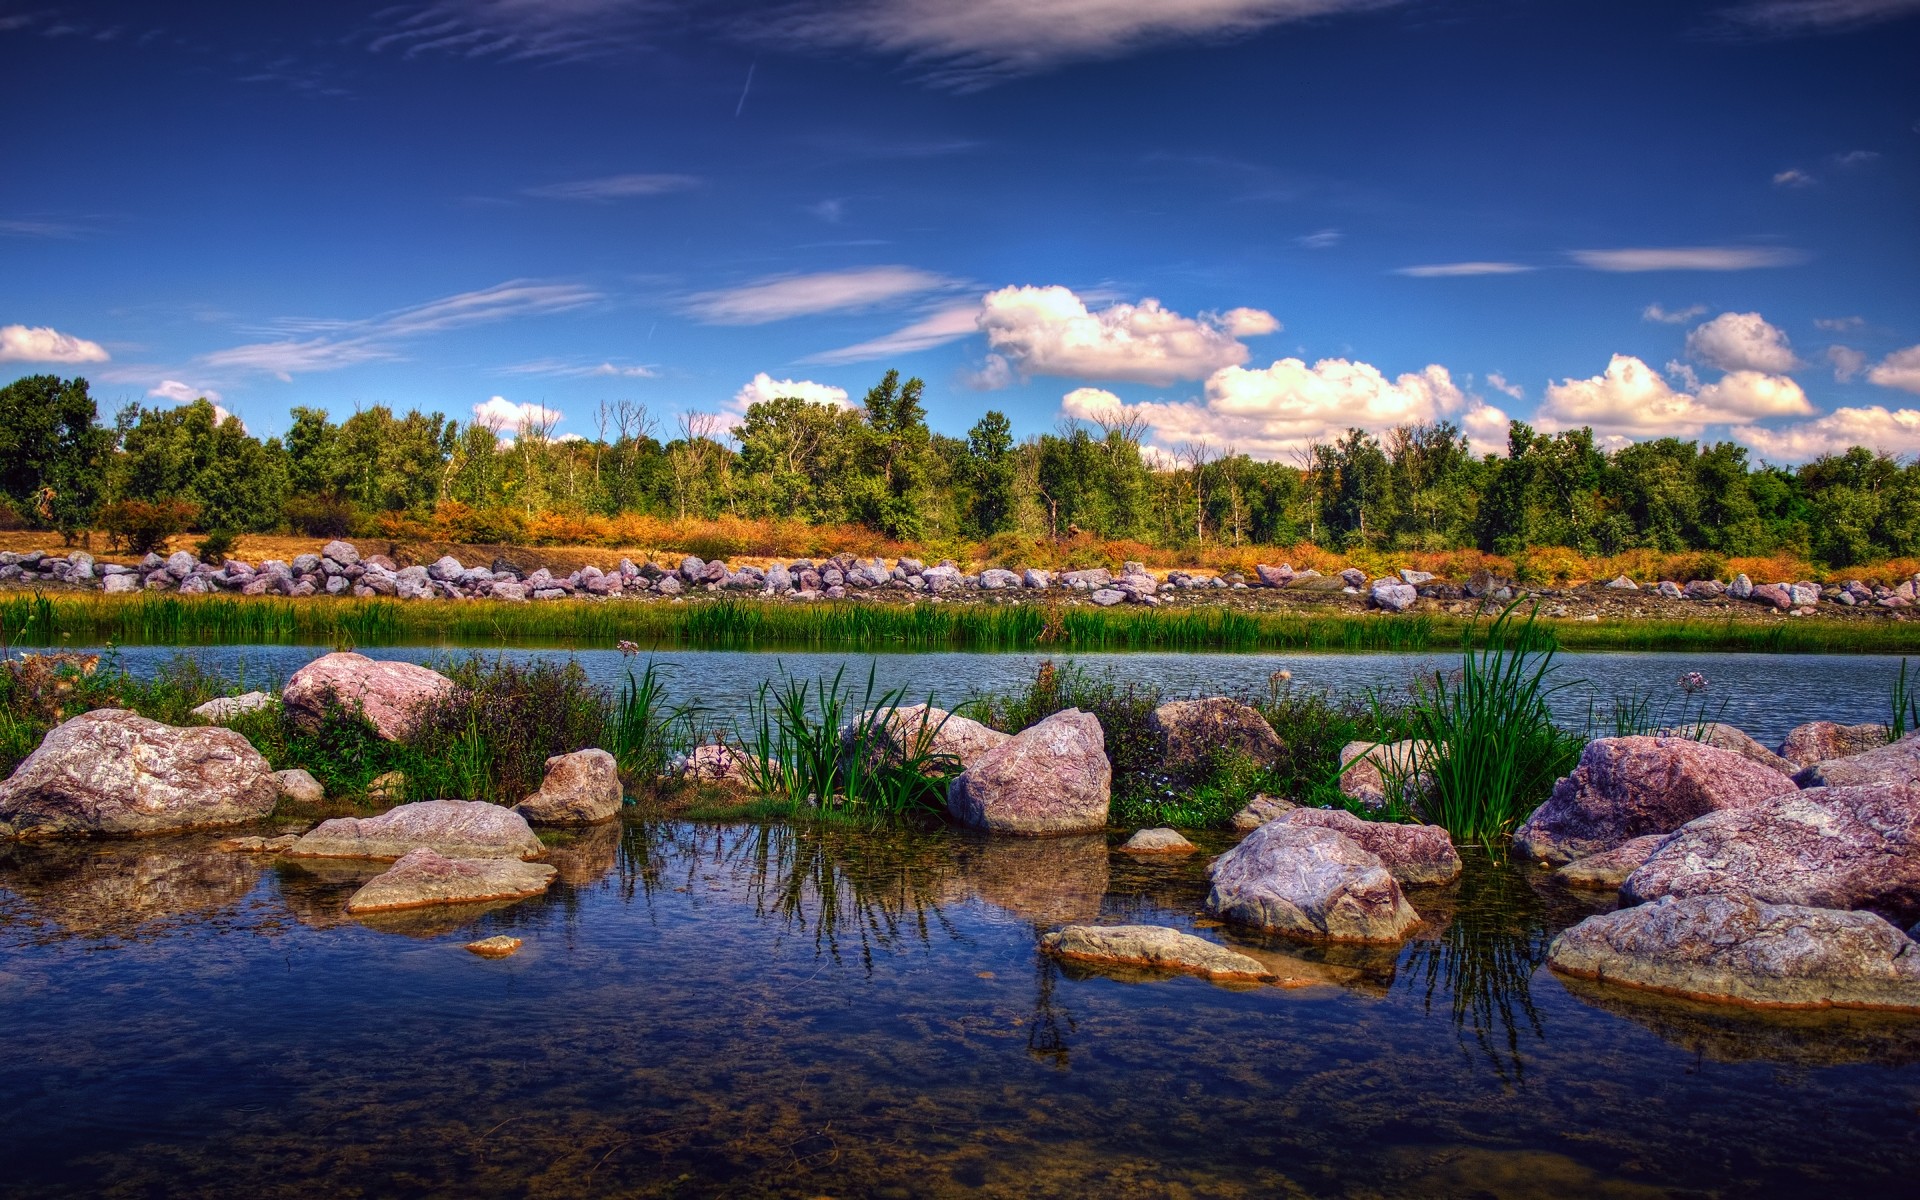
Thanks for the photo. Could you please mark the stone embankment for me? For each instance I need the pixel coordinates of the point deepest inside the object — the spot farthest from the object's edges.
(340, 569)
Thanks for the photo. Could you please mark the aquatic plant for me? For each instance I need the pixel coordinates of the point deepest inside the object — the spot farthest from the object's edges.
(1690, 714)
(1905, 702)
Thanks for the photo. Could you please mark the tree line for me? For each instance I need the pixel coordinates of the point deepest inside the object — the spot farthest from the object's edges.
(879, 466)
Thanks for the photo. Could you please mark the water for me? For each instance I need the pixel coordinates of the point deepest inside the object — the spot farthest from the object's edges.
(706, 1010)
(1766, 695)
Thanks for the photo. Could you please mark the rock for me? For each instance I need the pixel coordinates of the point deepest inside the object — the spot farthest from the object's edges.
(120, 584)
(1309, 881)
(1154, 947)
(1732, 737)
(257, 845)
(299, 786)
(714, 763)
(1413, 854)
(1274, 577)
(1773, 594)
(995, 579)
(180, 564)
(423, 876)
(1622, 583)
(1107, 597)
(1703, 589)
(933, 730)
(1050, 778)
(1158, 841)
(1393, 595)
(344, 553)
(1895, 762)
(497, 946)
(579, 789)
(221, 709)
(1353, 577)
(1606, 871)
(1851, 848)
(511, 591)
(1035, 578)
(1259, 811)
(1735, 949)
(1819, 740)
(389, 788)
(1741, 588)
(114, 772)
(455, 828)
(392, 695)
(1086, 581)
(1364, 767)
(1413, 578)
(1192, 735)
(1669, 590)
(1628, 787)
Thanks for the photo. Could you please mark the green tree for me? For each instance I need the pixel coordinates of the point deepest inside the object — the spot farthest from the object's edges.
(889, 488)
(53, 453)
(192, 453)
(990, 472)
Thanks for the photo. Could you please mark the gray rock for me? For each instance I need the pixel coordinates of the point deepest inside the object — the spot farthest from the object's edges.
(1050, 778)
(1817, 741)
(423, 877)
(580, 788)
(392, 695)
(895, 736)
(1365, 766)
(1087, 581)
(1735, 949)
(1413, 854)
(1191, 734)
(1414, 578)
(344, 553)
(1107, 597)
(1306, 881)
(1622, 583)
(299, 786)
(446, 567)
(666, 585)
(1259, 811)
(221, 709)
(455, 828)
(1897, 762)
(1741, 588)
(1274, 577)
(994, 579)
(1731, 737)
(180, 564)
(1353, 577)
(117, 584)
(1158, 841)
(114, 772)
(303, 563)
(1392, 595)
(693, 570)
(510, 591)
(1669, 590)
(1153, 947)
(1606, 871)
(1035, 578)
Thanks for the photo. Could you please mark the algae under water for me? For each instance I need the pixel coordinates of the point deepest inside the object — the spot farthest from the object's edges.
(798, 1010)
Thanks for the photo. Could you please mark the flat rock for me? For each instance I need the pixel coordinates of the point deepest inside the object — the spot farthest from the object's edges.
(497, 946)
(1817, 741)
(1624, 788)
(221, 709)
(455, 828)
(258, 845)
(1259, 811)
(111, 771)
(392, 695)
(423, 876)
(1898, 762)
(1158, 841)
(1849, 848)
(1607, 870)
(1154, 947)
(1738, 950)
(896, 736)
(299, 786)
(580, 788)
(1192, 734)
(1413, 854)
(1312, 882)
(1050, 778)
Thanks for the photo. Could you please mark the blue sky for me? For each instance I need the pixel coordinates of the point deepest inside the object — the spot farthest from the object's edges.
(1252, 223)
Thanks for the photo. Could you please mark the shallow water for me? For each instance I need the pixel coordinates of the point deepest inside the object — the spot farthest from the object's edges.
(1766, 695)
(770, 1010)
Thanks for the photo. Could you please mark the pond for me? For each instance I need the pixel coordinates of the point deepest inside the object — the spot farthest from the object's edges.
(802, 1011)
(1767, 695)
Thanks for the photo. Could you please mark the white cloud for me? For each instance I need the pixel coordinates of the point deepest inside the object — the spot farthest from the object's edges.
(1895, 432)
(182, 393)
(1689, 258)
(1282, 409)
(785, 296)
(614, 187)
(1050, 331)
(971, 44)
(1677, 316)
(1462, 269)
(38, 343)
(1819, 16)
(285, 359)
(1838, 324)
(1742, 342)
(506, 418)
(1847, 363)
(936, 329)
(1091, 403)
(1901, 369)
(1634, 400)
(514, 30)
(1498, 383)
(763, 387)
(1793, 177)
(575, 370)
(1320, 239)
(1855, 158)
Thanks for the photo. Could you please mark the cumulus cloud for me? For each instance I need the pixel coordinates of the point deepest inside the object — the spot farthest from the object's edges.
(38, 343)
(1742, 342)
(1634, 400)
(1689, 258)
(1793, 177)
(1051, 331)
(1676, 316)
(935, 329)
(182, 393)
(763, 387)
(1460, 269)
(506, 418)
(1901, 369)
(1091, 403)
(785, 296)
(1889, 432)
(1847, 363)
(614, 187)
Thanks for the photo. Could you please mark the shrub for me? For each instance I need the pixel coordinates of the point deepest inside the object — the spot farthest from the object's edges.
(143, 526)
(322, 516)
(459, 522)
(216, 546)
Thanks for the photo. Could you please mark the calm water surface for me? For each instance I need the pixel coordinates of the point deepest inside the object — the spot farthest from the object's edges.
(738, 1010)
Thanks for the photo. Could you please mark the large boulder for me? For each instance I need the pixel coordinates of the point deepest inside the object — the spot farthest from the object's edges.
(1817, 741)
(1898, 762)
(1607, 870)
(424, 876)
(1732, 737)
(1153, 947)
(1628, 787)
(1825, 848)
(1050, 778)
(455, 828)
(1309, 881)
(1735, 949)
(1413, 854)
(391, 694)
(115, 772)
(896, 735)
(581, 788)
(1192, 733)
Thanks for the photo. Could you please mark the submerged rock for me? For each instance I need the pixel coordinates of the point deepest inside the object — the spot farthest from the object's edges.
(115, 772)
(1897, 762)
(1735, 949)
(1050, 778)
(1817, 741)
(423, 876)
(1259, 811)
(1632, 786)
(1413, 854)
(1154, 947)
(1309, 881)
(497, 946)
(1192, 734)
(1158, 841)
(258, 845)
(392, 695)
(581, 788)
(1607, 870)
(455, 828)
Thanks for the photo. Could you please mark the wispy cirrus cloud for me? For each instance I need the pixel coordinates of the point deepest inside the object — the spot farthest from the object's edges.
(1784, 17)
(35, 227)
(1689, 258)
(1672, 316)
(1457, 270)
(614, 187)
(781, 297)
(943, 325)
(574, 370)
(518, 30)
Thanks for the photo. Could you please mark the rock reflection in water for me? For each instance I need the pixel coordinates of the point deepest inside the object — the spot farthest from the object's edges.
(112, 888)
(1731, 1034)
(583, 857)
(1046, 881)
